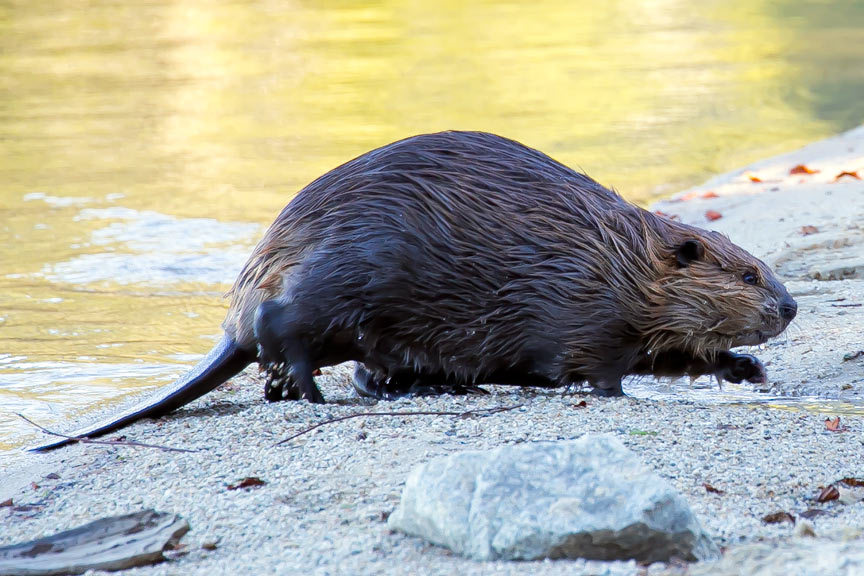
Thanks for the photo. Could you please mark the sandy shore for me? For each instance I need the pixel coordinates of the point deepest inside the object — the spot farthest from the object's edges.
(328, 493)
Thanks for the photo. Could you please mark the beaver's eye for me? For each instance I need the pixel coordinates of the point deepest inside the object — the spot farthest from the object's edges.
(750, 278)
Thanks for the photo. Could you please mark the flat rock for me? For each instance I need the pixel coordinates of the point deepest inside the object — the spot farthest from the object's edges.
(587, 498)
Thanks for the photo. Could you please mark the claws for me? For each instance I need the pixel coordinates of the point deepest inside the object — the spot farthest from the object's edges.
(408, 384)
(279, 383)
(738, 367)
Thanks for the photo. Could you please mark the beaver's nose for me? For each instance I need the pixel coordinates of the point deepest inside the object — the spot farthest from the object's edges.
(788, 309)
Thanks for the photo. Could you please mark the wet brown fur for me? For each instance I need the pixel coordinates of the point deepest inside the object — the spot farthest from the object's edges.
(468, 254)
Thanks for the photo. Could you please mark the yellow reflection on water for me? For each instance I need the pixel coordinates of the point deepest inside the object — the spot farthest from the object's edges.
(222, 110)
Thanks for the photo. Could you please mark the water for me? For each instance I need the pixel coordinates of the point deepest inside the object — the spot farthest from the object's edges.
(145, 145)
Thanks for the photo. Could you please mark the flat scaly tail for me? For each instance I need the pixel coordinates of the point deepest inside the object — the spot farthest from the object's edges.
(225, 360)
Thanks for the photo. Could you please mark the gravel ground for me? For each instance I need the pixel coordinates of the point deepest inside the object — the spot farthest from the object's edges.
(328, 493)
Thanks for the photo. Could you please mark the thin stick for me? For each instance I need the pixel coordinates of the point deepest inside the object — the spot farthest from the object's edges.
(85, 440)
(484, 411)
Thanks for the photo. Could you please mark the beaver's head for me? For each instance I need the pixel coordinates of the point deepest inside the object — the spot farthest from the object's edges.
(713, 295)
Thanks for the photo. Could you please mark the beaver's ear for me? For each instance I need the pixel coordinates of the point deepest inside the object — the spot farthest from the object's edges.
(689, 251)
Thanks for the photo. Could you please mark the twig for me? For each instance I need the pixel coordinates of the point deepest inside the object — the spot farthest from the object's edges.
(85, 440)
(484, 411)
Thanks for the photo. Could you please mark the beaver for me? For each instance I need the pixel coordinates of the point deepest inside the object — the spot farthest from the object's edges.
(444, 261)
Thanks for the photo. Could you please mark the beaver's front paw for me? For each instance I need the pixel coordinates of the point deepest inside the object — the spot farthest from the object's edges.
(737, 367)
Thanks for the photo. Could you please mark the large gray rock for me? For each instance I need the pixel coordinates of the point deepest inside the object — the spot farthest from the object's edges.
(588, 498)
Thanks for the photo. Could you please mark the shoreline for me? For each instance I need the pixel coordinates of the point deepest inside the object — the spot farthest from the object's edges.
(327, 493)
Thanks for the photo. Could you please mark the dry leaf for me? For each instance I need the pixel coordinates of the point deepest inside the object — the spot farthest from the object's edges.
(712, 215)
(580, 404)
(807, 230)
(248, 482)
(802, 169)
(828, 493)
(711, 489)
(779, 517)
(6, 503)
(854, 482)
(850, 173)
(665, 215)
(833, 425)
(754, 178)
(710, 194)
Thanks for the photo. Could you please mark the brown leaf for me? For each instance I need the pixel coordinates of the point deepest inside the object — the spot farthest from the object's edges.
(710, 194)
(6, 503)
(828, 493)
(850, 173)
(833, 425)
(807, 230)
(712, 215)
(802, 169)
(248, 482)
(853, 482)
(210, 545)
(580, 404)
(711, 489)
(34, 486)
(317, 372)
(779, 517)
(754, 178)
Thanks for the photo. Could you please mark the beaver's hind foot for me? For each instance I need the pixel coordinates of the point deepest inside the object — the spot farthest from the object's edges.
(278, 384)
(408, 383)
(284, 357)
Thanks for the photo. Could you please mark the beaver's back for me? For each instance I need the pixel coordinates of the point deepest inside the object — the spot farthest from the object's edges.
(453, 243)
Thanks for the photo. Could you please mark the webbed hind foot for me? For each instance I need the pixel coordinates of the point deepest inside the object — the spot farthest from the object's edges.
(278, 384)
(408, 384)
(284, 357)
